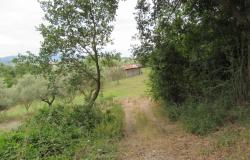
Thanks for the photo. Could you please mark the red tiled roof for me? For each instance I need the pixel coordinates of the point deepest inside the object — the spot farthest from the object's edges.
(131, 66)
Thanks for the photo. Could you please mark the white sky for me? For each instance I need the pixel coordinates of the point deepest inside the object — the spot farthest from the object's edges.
(19, 19)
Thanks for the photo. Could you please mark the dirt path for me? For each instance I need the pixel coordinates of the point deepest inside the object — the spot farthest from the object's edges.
(149, 136)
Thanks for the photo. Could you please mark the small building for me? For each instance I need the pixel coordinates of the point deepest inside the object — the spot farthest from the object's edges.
(132, 70)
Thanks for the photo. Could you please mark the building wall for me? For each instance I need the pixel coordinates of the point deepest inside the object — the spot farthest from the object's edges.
(133, 72)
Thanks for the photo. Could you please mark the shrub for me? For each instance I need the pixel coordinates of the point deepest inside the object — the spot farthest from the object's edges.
(201, 118)
(173, 112)
(86, 117)
(48, 134)
(106, 135)
(112, 123)
(167, 78)
(239, 114)
(61, 132)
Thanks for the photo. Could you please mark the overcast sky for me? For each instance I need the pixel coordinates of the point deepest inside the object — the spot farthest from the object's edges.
(19, 18)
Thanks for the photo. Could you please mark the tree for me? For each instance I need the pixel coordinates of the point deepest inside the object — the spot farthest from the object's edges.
(111, 59)
(111, 62)
(77, 30)
(65, 89)
(3, 96)
(116, 73)
(8, 74)
(145, 27)
(45, 68)
(198, 49)
(28, 89)
(26, 64)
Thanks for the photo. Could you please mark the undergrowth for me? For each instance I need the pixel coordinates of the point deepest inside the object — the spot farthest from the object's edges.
(65, 132)
(202, 118)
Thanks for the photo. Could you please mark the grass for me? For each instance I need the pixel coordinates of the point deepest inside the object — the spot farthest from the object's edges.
(19, 112)
(129, 87)
(231, 142)
(141, 120)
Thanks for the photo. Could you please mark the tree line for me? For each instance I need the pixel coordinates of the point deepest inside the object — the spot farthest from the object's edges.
(197, 48)
(199, 52)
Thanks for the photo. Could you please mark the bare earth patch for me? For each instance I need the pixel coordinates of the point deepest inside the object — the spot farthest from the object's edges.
(149, 136)
(10, 125)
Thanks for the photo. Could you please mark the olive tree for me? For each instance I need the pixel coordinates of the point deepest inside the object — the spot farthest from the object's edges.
(27, 90)
(4, 102)
(65, 89)
(77, 30)
(116, 74)
(49, 75)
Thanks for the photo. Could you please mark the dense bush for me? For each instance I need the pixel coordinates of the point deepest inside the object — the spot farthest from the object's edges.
(61, 133)
(174, 112)
(167, 76)
(197, 50)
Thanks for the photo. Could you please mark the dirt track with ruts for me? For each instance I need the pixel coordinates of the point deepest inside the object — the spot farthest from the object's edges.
(150, 136)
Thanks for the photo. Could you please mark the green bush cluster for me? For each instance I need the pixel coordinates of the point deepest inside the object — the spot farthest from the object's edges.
(62, 133)
(198, 119)
(204, 118)
(197, 53)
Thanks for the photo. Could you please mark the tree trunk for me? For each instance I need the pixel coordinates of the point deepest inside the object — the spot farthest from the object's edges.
(98, 83)
(27, 107)
(242, 14)
(52, 101)
(95, 57)
(98, 74)
(48, 101)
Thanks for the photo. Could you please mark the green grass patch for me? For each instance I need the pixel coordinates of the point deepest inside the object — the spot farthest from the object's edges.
(128, 87)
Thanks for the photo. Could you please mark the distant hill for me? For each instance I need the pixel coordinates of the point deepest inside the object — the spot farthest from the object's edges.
(7, 60)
